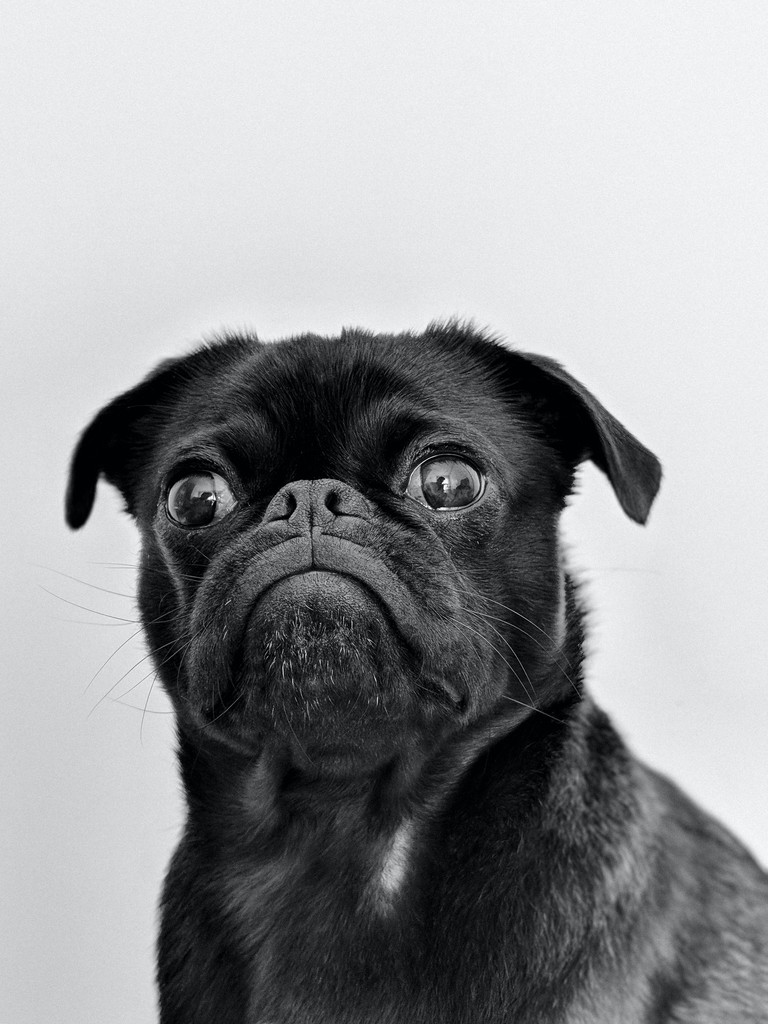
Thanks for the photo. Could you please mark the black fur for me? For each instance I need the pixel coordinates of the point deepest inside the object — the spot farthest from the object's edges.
(402, 806)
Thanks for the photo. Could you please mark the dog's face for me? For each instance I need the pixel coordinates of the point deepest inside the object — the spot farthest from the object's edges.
(351, 544)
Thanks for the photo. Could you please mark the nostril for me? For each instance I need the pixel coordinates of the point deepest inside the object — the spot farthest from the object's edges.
(332, 501)
(282, 506)
(310, 503)
(339, 499)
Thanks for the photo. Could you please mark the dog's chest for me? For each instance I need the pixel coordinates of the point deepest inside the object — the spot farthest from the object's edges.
(370, 934)
(321, 926)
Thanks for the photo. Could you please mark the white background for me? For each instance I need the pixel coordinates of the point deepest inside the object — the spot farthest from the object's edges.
(587, 178)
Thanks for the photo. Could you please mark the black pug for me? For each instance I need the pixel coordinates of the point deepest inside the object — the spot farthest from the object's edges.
(402, 806)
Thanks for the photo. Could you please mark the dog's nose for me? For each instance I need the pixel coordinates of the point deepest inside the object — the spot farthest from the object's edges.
(315, 503)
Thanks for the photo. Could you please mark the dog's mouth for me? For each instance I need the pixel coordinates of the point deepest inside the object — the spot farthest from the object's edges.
(323, 644)
(321, 661)
(333, 602)
(320, 636)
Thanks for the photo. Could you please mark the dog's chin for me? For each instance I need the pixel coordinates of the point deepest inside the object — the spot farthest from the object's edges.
(323, 667)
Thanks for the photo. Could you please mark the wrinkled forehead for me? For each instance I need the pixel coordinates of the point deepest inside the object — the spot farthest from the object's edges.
(324, 388)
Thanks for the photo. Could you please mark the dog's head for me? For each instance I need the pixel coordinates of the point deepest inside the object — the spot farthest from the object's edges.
(351, 544)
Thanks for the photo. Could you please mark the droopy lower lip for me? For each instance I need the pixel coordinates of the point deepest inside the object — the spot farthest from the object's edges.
(329, 584)
(334, 586)
(337, 556)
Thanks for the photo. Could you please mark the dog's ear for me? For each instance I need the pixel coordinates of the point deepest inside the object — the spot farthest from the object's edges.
(117, 442)
(570, 417)
(589, 431)
(121, 439)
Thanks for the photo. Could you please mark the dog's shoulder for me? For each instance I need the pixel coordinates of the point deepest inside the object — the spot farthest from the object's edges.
(704, 949)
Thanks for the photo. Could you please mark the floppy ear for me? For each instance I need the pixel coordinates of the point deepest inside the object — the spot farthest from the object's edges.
(120, 441)
(117, 442)
(591, 432)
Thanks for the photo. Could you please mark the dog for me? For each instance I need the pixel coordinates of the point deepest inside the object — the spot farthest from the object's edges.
(403, 807)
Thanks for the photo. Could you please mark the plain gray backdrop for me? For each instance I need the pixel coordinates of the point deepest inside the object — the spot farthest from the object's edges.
(587, 178)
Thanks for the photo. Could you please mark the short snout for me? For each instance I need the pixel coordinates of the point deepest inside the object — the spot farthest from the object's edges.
(325, 599)
(316, 504)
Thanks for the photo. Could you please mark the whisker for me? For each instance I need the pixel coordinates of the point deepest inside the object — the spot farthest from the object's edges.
(135, 686)
(149, 568)
(112, 655)
(201, 553)
(84, 608)
(114, 565)
(85, 583)
(538, 710)
(513, 611)
(85, 622)
(154, 673)
(149, 654)
(504, 640)
(225, 710)
(513, 625)
(135, 707)
(506, 696)
(298, 741)
(145, 709)
(497, 651)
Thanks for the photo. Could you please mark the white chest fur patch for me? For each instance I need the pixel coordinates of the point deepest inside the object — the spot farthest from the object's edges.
(561, 623)
(394, 863)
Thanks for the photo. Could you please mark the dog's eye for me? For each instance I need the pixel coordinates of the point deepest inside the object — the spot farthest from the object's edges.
(445, 482)
(199, 499)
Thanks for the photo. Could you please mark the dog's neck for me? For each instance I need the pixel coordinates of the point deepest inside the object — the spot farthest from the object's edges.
(248, 805)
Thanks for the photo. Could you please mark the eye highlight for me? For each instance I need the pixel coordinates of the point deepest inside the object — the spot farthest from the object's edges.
(445, 482)
(199, 499)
